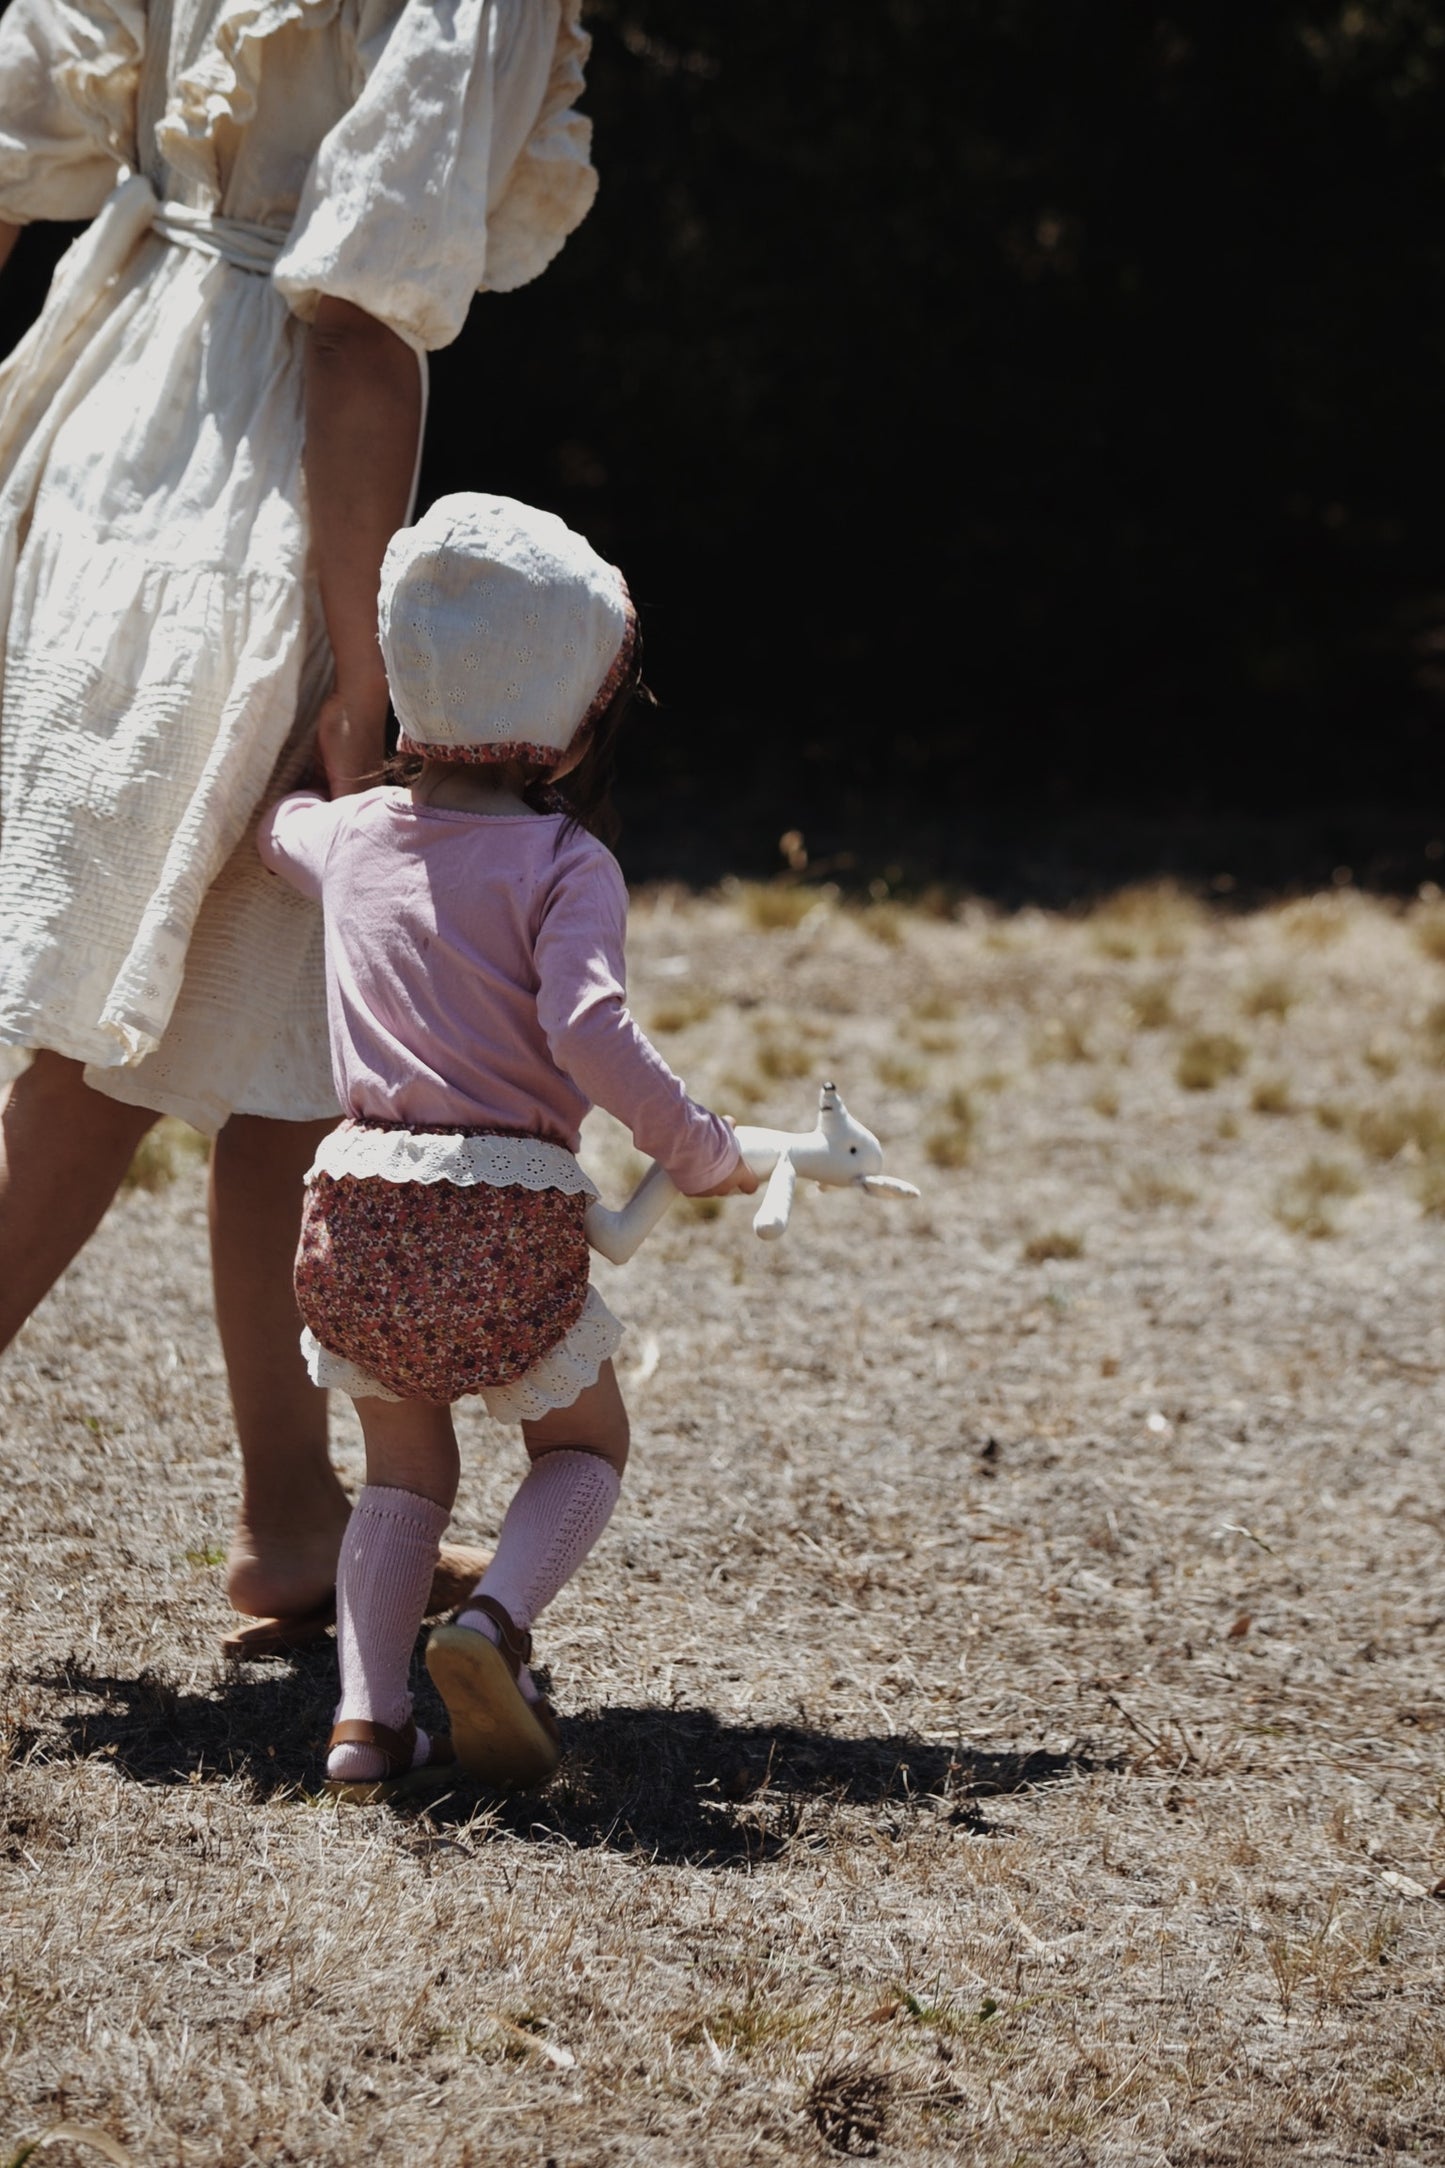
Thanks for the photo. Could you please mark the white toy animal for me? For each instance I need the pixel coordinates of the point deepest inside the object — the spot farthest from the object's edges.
(838, 1154)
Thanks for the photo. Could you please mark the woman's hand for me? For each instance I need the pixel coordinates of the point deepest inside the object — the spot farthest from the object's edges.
(351, 742)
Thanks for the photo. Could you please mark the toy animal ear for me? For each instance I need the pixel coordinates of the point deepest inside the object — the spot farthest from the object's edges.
(886, 1185)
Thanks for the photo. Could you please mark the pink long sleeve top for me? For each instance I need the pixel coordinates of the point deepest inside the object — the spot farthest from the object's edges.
(475, 975)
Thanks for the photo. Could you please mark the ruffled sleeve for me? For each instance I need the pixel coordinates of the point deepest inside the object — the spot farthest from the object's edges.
(68, 76)
(461, 166)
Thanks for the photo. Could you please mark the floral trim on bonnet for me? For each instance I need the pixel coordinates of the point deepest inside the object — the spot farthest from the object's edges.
(541, 756)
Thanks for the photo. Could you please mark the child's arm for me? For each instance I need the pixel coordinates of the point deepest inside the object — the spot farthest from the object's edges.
(582, 1007)
(294, 837)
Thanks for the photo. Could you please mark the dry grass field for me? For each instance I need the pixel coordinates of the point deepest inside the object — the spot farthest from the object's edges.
(1005, 1719)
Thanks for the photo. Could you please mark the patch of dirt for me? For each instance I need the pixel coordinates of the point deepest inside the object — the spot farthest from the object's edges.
(1005, 1716)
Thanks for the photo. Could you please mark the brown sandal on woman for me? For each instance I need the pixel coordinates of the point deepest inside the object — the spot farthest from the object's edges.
(401, 1774)
(498, 1736)
(458, 1571)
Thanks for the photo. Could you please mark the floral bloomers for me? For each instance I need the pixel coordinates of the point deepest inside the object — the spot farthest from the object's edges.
(435, 1289)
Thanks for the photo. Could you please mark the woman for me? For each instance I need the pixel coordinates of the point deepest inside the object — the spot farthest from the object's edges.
(205, 443)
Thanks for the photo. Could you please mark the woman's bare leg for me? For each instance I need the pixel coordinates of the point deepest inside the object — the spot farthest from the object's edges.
(64, 1150)
(293, 1510)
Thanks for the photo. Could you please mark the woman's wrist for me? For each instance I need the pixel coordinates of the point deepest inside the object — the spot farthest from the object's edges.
(351, 741)
(365, 700)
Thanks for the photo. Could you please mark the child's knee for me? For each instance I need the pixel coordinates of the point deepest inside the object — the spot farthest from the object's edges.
(596, 1422)
(611, 1446)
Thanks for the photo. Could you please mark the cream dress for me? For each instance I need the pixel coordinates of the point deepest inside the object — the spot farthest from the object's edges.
(164, 655)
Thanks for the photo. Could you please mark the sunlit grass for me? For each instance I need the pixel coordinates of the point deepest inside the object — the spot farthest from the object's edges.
(1272, 996)
(775, 906)
(1302, 1203)
(1272, 1095)
(1152, 1005)
(951, 1142)
(1206, 1058)
(1057, 1244)
(168, 1150)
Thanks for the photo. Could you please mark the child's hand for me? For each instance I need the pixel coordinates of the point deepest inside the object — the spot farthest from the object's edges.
(740, 1183)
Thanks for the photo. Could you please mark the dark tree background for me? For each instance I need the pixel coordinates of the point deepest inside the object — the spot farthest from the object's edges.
(1015, 417)
(1007, 410)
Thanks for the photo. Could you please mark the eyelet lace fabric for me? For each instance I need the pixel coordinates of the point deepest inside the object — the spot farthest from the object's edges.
(554, 1382)
(423, 1155)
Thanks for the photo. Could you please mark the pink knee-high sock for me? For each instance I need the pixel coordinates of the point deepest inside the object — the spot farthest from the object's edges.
(382, 1582)
(561, 1508)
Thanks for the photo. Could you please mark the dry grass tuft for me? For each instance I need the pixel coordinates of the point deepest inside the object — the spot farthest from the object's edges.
(1272, 1095)
(899, 1076)
(1427, 923)
(1154, 918)
(1063, 1038)
(1430, 1189)
(782, 1061)
(1302, 1203)
(775, 906)
(1385, 1132)
(681, 1011)
(951, 1142)
(1043, 1249)
(1145, 1189)
(1271, 996)
(739, 1095)
(1315, 921)
(1152, 1005)
(848, 2106)
(171, 1149)
(886, 922)
(1206, 1058)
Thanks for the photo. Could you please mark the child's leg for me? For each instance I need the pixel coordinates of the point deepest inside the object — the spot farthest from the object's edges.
(385, 1570)
(506, 1737)
(561, 1508)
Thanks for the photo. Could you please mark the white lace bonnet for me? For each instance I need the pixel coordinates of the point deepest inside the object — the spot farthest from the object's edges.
(505, 635)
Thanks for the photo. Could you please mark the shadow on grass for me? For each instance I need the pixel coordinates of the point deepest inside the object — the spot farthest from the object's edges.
(673, 1784)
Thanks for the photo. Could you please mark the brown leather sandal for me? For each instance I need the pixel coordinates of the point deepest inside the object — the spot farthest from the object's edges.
(458, 1570)
(400, 1775)
(498, 1736)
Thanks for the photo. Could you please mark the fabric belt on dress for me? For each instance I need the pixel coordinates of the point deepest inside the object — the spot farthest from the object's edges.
(85, 271)
(242, 242)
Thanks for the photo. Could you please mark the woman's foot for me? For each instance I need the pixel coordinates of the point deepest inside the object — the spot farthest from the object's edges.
(458, 1568)
(367, 1762)
(288, 1570)
(499, 1736)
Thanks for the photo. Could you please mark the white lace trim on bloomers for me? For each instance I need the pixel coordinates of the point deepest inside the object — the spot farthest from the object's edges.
(424, 1155)
(563, 1372)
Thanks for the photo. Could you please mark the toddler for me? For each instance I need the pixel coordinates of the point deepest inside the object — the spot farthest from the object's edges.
(474, 956)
